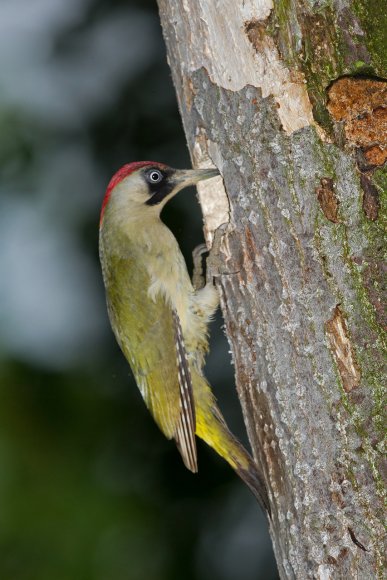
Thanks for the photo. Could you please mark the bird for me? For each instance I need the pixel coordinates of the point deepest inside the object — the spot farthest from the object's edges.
(160, 318)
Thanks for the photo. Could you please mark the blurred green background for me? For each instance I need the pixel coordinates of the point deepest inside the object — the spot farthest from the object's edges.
(89, 488)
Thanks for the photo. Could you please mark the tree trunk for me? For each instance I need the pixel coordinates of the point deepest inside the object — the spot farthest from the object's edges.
(273, 97)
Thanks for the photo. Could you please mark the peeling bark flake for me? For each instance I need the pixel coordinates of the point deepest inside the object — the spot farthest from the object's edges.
(209, 41)
(342, 350)
(327, 198)
(361, 105)
(375, 156)
(371, 203)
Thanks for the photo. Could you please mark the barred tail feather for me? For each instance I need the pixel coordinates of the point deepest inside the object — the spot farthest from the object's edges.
(186, 444)
(186, 427)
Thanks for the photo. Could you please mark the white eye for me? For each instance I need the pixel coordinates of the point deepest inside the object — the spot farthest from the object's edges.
(155, 176)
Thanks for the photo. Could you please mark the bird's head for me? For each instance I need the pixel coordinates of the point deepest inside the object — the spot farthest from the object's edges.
(142, 188)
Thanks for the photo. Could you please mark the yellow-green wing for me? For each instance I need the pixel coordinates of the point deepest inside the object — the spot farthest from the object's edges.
(150, 337)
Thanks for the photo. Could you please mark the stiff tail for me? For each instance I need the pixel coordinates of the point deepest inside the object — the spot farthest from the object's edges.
(211, 427)
(254, 482)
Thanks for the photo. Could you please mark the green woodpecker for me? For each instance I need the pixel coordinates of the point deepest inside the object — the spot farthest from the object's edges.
(159, 318)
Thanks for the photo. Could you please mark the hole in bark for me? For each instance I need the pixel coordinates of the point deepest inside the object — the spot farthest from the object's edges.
(256, 31)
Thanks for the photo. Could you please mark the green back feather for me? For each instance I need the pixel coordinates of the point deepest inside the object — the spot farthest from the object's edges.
(145, 333)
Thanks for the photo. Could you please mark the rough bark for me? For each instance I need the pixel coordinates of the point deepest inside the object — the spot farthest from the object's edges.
(270, 95)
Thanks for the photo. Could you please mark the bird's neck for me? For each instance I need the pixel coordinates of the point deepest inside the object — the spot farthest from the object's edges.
(148, 234)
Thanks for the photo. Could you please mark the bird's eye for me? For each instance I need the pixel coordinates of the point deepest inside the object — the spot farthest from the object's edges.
(154, 176)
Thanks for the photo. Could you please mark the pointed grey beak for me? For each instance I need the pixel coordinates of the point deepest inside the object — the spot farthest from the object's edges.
(186, 177)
